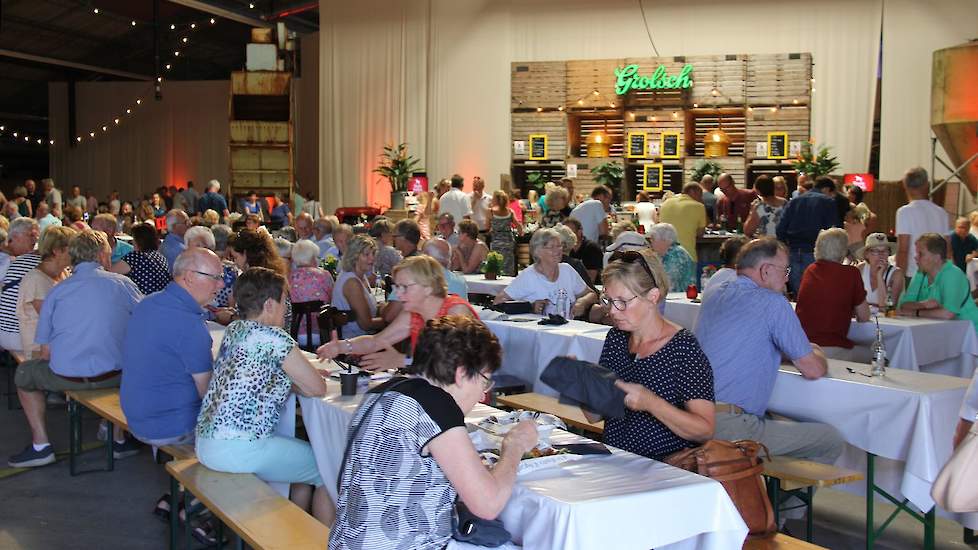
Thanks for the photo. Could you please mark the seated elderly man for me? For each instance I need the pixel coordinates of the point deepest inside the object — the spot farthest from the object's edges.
(22, 237)
(304, 227)
(81, 329)
(441, 251)
(407, 235)
(745, 328)
(322, 230)
(830, 294)
(106, 223)
(177, 223)
(165, 378)
(446, 229)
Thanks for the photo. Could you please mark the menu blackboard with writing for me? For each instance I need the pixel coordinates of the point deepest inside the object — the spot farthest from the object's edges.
(777, 145)
(636, 145)
(670, 145)
(652, 177)
(538, 146)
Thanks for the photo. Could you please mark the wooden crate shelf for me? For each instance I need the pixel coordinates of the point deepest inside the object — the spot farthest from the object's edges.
(760, 121)
(554, 124)
(538, 85)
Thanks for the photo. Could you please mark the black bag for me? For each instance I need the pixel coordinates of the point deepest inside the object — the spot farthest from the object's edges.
(587, 384)
(514, 307)
(470, 528)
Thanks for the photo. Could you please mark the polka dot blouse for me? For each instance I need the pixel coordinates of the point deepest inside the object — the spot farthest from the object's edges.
(678, 372)
(148, 270)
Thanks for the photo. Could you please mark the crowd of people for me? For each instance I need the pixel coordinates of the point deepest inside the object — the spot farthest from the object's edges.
(103, 300)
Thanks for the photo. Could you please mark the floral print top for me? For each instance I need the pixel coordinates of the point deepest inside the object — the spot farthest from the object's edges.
(248, 386)
(310, 283)
(680, 268)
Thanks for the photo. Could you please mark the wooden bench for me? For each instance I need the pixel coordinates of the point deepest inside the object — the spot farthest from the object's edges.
(262, 518)
(779, 541)
(103, 402)
(799, 477)
(571, 415)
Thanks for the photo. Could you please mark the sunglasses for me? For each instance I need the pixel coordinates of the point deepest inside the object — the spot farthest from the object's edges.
(631, 257)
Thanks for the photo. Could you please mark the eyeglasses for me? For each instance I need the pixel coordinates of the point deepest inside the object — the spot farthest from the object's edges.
(487, 383)
(401, 289)
(554, 248)
(620, 305)
(210, 276)
(878, 251)
(630, 257)
(787, 269)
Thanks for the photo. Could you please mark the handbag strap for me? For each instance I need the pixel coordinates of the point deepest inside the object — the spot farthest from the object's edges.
(356, 430)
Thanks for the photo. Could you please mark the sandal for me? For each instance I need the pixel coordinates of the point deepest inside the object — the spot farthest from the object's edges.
(162, 508)
(205, 532)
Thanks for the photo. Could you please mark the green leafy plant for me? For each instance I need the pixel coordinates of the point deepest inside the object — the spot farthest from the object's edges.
(609, 173)
(815, 161)
(703, 167)
(536, 180)
(397, 166)
(493, 263)
(329, 263)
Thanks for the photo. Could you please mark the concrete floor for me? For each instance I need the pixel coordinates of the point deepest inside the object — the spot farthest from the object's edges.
(46, 508)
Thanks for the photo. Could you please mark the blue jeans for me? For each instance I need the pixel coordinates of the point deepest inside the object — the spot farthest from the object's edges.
(798, 261)
(274, 459)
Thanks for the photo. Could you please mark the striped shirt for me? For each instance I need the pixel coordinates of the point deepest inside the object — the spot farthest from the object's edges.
(11, 286)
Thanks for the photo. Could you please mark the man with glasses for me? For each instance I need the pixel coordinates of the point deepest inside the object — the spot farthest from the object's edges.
(745, 328)
(167, 352)
(446, 229)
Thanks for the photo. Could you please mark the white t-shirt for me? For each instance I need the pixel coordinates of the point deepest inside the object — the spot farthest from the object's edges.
(916, 218)
(591, 214)
(531, 285)
(455, 202)
(480, 212)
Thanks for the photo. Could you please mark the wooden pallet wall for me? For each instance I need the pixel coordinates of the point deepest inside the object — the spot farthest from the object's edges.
(586, 77)
(540, 84)
(553, 123)
(731, 165)
(761, 120)
(779, 79)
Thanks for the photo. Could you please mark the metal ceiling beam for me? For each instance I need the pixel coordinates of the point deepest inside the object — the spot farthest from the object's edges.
(222, 12)
(71, 65)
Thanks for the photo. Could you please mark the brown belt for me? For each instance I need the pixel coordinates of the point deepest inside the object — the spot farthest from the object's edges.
(728, 408)
(90, 379)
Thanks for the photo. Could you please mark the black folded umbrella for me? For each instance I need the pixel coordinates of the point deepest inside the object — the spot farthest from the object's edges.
(586, 384)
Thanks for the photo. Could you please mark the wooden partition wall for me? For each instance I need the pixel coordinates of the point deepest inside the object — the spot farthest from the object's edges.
(747, 96)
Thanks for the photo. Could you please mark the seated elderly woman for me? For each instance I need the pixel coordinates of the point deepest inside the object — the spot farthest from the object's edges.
(556, 201)
(423, 294)
(145, 265)
(352, 291)
(411, 457)
(382, 231)
(255, 370)
(939, 290)
(569, 239)
(679, 265)
(307, 281)
(544, 282)
(468, 256)
(882, 280)
(666, 377)
(34, 287)
(728, 253)
(830, 294)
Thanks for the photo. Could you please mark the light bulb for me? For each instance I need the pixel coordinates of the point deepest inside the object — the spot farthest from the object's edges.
(774, 109)
(252, 6)
(27, 138)
(184, 39)
(116, 121)
(539, 109)
(128, 111)
(92, 134)
(105, 128)
(595, 92)
(213, 21)
(159, 79)
(580, 102)
(597, 138)
(695, 105)
(78, 139)
(612, 105)
(795, 101)
(560, 107)
(139, 102)
(40, 141)
(133, 22)
(15, 134)
(2, 128)
(193, 25)
(51, 142)
(176, 53)
(168, 66)
(95, 11)
(716, 137)
(675, 115)
(173, 27)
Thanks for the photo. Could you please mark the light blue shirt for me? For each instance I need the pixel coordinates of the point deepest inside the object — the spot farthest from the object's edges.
(744, 329)
(327, 248)
(456, 285)
(121, 249)
(84, 319)
(172, 246)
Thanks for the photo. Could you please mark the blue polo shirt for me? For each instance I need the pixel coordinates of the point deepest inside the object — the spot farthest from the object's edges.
(84, 319)
(744, 329)
(212, 201)
(166, 342)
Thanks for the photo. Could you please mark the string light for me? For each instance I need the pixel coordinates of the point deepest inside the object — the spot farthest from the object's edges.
(133, 22)
(213, 21)
(139, 102)
(173, 27)
(184, 40)
(116, 121)
(251, 6)
(193, 25)
(95, 11)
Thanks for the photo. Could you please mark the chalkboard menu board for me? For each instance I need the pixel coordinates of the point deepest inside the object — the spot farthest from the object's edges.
(538, 146)
(670, 145)
(636, 145)
(777, 145)
(652, 177)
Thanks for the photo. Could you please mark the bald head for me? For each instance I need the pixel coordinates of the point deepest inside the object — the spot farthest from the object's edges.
(439, 249)
(200, 273)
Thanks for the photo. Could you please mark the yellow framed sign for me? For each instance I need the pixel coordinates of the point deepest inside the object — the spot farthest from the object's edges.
(652, 177)
(669, 145)
(538, 147)
(636, 145)
(777, 145)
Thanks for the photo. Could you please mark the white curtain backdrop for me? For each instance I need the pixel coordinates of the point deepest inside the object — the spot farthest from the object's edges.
(435, 73)
(912, 30)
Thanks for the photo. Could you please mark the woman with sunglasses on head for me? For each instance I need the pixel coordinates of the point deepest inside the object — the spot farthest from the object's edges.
(666, 377)
(420, 285)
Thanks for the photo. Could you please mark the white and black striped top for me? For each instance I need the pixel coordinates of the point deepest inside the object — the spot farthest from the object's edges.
(11, 287)
(392, 495)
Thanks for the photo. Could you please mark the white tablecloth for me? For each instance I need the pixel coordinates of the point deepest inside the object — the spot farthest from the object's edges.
(622, 501)
(907, 417)
(478, 284)
(941, 347)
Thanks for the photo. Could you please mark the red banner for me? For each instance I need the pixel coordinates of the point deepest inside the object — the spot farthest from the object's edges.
(862, 181)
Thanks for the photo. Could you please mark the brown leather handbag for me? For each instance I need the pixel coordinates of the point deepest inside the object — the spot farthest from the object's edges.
(738, 466)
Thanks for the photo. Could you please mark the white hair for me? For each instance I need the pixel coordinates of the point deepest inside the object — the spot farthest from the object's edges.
(20, 225)
(304, 253)
(173, 217)
(832, 244)
(214, 184)
(663, 232)
(439, 249)
(204, 234)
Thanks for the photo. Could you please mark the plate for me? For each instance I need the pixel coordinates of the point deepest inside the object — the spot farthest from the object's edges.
(500, 424)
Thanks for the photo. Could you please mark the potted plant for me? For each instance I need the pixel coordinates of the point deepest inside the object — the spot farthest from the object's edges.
(329, 263)
(537, 181)
(397, 166)
(610, 174)
(815, 161)
(492, 265)
(703, 167)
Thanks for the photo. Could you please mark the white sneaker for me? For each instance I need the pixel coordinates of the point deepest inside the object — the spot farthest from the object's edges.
(103, 431)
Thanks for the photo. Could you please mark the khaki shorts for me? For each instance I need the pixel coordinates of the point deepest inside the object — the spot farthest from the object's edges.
(36, 375)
